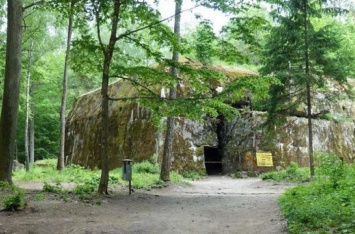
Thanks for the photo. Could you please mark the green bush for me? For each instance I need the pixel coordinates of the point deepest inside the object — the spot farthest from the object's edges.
(84, 191)
(327, 204)
(330, 169)
(12, 198)
(292, 174)
(146, 167)
(15, 201)
(57, 188)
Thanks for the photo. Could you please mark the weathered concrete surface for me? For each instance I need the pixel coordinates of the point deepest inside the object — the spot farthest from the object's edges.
(132, 135)
(288, 143)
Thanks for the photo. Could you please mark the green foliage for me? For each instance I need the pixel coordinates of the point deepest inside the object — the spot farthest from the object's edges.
(330, 169)
(178, 178)
(11, 197)
(337, 118)
(145, 175)
(57, 188)
(205, 42)
(43, 40)
(14, 202)
(244, 37)
(39, 197)
(300, 52)
(45, 170)
(292, 174)
(327, 204)
(85, 190)
(146, 167)
(146, 181)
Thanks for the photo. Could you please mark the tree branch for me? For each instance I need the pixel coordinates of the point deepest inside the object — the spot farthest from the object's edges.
(127, 33)
(98, 30)
(139, 84)
(33, 4)
(160, 98)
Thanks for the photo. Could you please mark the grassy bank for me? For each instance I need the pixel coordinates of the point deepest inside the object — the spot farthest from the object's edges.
(326, 204)
(145, 175)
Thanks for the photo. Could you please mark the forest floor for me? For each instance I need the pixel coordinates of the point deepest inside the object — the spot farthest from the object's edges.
(216, 204)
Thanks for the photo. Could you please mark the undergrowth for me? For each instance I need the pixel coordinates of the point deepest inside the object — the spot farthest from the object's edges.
(291, 174)
(145, 175)
(327, 204)
(11, 197)
(45, 171)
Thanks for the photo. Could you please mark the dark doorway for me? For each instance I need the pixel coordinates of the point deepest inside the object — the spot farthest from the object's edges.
(213, 160)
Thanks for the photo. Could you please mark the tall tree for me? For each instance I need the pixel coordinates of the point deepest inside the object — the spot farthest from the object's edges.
(27, 109)
(10, 105)
(107, 52)
(300, 56)
(36, 22)
(61, 156)
(167, 154)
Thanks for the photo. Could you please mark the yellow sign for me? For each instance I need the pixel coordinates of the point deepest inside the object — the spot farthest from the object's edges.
(264, 159)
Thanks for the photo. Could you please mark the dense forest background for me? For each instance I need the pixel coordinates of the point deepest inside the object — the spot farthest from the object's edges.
(247, 41)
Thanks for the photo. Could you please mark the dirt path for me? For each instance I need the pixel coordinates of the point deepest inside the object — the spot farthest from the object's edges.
(212, 205)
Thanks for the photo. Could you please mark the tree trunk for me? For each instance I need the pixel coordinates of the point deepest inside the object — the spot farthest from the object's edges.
(108, 52)
(61, 156)
(167, 154)
(10, 105)
(27, 108)
(32, 134)
(308, 90)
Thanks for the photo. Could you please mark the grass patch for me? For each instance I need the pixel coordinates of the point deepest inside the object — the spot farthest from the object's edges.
(145, 175)
(146, 167)
(291, 174)
(45, 171)
(327, 204)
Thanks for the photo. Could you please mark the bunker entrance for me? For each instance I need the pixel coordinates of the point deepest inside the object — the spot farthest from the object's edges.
(213, 160)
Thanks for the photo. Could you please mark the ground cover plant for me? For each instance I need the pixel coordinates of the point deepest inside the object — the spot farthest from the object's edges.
(11, 197)
(326, 204)
(293, 173)
(145, 175)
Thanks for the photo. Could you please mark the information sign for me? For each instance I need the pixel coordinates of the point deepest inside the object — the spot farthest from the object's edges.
(264, 159)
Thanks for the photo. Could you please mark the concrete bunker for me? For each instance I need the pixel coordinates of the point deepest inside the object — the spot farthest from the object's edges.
(213, 160)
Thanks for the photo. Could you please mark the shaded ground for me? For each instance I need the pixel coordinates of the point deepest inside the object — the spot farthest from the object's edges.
(211, 205)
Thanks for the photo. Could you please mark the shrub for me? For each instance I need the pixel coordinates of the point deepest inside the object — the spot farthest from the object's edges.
(146, 167)
(327, 204)
(57, 188)
(85, 190)
(12, 197)
(331, 168)
(14, 201)
(292, 174)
